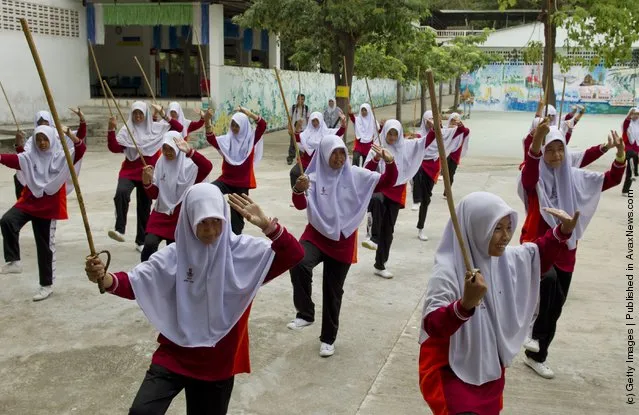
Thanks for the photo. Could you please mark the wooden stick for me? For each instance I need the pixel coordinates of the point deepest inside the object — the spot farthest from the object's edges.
(148, 85)
(97, 69)
(124, 120)
(444, 168)
(206, 78)
(15, 120)
(348, 100)
(290, 121)
(370, 98)
(63, 141)
(561, 108)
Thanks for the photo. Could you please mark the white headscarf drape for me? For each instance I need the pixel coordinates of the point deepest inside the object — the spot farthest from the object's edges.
(237, 148)
(337, 199)
(148, 135)
(494, 334)
(552, 112)
(173, 177)
(175, 106)
(366, 127)
(633, 129)
(311, 136)
(193, 293)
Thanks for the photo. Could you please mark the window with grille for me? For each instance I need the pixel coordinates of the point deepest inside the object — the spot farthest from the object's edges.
(42, 19)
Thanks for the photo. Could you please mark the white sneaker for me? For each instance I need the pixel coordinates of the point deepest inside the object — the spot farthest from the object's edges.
(624, 194)
(13, 267)
(415, 207)
(384, 273)
(327, 350)
(369, 244)
(298, 324)
(531, 345)
(540, 368)
(43, 293)
(421, 235)
(115, 235)
(139, 248)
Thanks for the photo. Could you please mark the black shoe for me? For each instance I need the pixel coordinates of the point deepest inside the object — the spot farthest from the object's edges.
(289, 161)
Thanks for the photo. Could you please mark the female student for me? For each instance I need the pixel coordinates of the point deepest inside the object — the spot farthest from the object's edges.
(42, 202)
(149, 137)
(454, 159)
(241, 148)
(631, 141)
(179, 168)
(385, 205)
(474, 323)
(309, 140)
(366, 128)
(336, 196)
(549, 180)
(188, 126)
(198, 293)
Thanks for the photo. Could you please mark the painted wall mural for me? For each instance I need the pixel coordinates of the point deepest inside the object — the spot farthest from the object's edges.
(518, 88)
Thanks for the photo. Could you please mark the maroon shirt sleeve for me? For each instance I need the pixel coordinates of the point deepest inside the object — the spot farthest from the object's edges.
(352, 117)
(112, 143)
(260, 129)
(175, 126)
(210, 137)
(10, 160)
(288, 252)
(388, 179)
(613, 176)
(204, 166)
(446, 320)
(80, 149)
(430, 137)
(299, 200)
(372, 165)
(194, 126)
(591, 155)
(298, 138)
(340, 132)
(152, 191)
(530, 172)
(82, 131)
(551, 246)
(121, 286)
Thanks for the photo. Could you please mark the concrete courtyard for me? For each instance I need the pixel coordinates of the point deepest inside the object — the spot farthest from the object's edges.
(80, 352)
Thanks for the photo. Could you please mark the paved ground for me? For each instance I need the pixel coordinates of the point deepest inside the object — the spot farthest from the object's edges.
(83, 353)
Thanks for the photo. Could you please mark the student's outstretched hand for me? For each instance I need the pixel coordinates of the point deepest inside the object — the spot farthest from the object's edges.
(77, 111)
(95, 269)
(540, 135)
(20, 137)
(474, 290)
(302, 184)
(382, 153)
(568, 222)
(618, 141)
(249, 210)
(182, 145)
(147, 174)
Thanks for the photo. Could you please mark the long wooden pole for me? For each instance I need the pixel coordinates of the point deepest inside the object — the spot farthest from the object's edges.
(148, 85)
(63, 141)
(124, 120)
(206, 78)
(15, 120)
(97, 69)
(370, 98)
(548, 59)
(561, 107)
(290, 121)
(444, 168)
(348, 99)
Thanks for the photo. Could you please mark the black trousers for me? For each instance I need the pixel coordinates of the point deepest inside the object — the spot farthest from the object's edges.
(294, 174)
(160, 386)
(122, 200)
(333, 278)
(384, 212)
(553, 292)
(422, 194)
(632, 159)
(291, 149)
(18, 186)
(12, 222)
(359, 159)
(452, 168)
(151, 245)
(237, 221)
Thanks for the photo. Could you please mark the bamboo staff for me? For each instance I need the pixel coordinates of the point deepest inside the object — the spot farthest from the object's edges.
(15, 120)
(290, 122)
(63, 141)
(561, 107)
(97, 69)
(148, 85)
(444, 168)
(548, 60)
(379, 139)
(124, 120)
(206, 79)
(348, 99)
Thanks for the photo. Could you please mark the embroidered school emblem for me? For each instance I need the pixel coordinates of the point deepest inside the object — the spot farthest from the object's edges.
(189, 276)
(164, 178)
(323, 192)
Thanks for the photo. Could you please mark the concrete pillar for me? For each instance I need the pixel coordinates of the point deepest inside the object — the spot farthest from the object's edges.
(274, 54)
(216, 50)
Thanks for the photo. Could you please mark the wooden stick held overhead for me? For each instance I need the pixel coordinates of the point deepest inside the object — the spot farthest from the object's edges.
(63, 141)
(561, 107)
(444, 168)
(97, 69)
(148, 85)
(204, 71)
(370, 98)
(290, 121)
(124, 120)
(348, 100)
(15, 120)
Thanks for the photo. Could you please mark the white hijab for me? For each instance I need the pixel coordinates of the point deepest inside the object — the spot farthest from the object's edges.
(408, 153)
(192, 293)
(45, 171)
(330, 109)
(494, 334)
(633, 129)
(174, 106)
(310, 138)
(366, 127)
(568, 188)
(459, 140)
(237, 148)
(173, 177)
(552, 112)
(423, 127)
(148, 135)
(337, 199)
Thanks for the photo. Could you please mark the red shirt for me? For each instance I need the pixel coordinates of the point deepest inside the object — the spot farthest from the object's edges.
(535, 225)
(444, 392)
(230, 355)
(48, 206)
(194, 126)
(244, 174)
(304, 156)
(132, 170)
(161, 224)
(344, 250)
(634, 147)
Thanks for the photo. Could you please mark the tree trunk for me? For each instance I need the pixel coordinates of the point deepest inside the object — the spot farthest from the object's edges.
(398, 106)
(457, 87)
(347, 46)
(550, 32)
(441, 93)
(424, 90)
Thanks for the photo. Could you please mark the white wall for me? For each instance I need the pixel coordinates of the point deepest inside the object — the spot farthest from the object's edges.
(65, 62)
